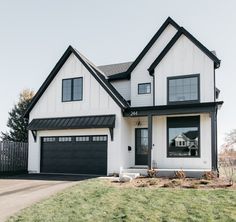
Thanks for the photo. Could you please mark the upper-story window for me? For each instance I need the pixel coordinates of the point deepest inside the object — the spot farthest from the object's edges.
(72, 89)
(183, 89)
(144, 88)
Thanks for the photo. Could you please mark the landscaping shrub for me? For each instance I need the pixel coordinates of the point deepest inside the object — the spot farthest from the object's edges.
(180, 174)
(209, 175)
(152, 173)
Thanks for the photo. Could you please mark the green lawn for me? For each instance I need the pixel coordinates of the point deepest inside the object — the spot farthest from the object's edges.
(98, 200)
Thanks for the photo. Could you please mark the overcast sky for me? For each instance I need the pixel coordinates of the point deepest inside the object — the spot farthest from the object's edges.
(34, 34)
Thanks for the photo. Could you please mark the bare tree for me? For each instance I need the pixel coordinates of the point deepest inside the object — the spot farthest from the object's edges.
(228, 157)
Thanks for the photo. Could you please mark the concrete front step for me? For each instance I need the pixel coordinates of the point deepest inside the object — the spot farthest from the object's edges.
(131, 175)
(141, 171)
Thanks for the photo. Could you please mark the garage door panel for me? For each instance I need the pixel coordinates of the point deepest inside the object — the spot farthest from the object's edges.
(79, 157)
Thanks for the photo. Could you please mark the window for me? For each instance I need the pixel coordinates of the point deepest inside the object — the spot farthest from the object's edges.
(99, 138)
(49, 139)
(82, 138)
(65, 139)
(72, 89)
(183, 89)
(183, 136)
(144, 88)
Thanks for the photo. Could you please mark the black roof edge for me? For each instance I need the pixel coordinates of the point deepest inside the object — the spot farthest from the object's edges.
(202, 47)
(164, 52)
(48, 80)
(84, 116)
(105, 84)
(119, 76)
(168, 21)
(183, 31)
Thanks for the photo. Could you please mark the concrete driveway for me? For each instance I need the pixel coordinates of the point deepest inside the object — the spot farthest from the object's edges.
(21, 191)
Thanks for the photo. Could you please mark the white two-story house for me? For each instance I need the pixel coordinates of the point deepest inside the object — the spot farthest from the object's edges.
(159, 111)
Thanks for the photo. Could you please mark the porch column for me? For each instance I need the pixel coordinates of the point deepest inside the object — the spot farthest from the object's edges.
(149, 141)
(214, 156)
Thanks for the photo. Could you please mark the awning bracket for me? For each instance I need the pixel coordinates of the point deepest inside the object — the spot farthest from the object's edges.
(34, 133)
(111, 133)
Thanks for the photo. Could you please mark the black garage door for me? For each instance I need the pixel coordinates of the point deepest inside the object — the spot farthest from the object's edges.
(74, 154)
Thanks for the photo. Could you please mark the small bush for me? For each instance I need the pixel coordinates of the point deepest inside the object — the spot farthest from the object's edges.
(180, 174)
(209, 175)
(152, 173)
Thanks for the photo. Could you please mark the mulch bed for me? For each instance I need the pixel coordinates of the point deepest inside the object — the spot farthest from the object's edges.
(187, 183)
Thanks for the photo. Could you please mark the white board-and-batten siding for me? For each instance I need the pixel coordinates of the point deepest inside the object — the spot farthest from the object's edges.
(141, 75)
(185, 58)
(96, 101)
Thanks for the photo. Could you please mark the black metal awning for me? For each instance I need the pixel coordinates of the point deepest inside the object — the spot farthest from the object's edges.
(80, 122)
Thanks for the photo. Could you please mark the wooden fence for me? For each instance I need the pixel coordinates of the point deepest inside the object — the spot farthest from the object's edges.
(13, 157)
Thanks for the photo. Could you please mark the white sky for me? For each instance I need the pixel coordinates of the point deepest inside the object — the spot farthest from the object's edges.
(34, 34)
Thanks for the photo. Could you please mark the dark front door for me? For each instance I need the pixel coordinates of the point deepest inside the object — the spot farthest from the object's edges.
(74, 154)
(141, 146)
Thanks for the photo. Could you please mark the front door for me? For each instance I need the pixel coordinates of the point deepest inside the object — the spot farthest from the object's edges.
(141, 146)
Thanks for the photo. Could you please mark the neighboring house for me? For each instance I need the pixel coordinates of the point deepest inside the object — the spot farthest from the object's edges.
(88, 119)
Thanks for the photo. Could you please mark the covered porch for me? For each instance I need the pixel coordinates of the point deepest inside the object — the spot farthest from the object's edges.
(153, 120)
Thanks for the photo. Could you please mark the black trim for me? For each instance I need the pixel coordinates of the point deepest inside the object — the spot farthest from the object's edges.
(146, 83)
(184, 77)
(75, 122)
(182, 31)
(119, 76)
(96, 74)
(214, 153)
(154, 90)
(150, 141)
(34, 134)
(151, 42)
(217, 93)
(72, 90)
(140, 159)
(164, 52)
(171, 109)
(184, 121)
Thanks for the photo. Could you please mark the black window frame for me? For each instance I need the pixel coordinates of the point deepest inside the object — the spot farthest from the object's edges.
(146, 83)
(185, 101)
(72, 90)
(183, 122)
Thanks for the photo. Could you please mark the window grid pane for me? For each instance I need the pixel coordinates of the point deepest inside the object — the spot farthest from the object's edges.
(144, 88)
(183, 89)
(66, 90)
(99, 138)
(77, 89)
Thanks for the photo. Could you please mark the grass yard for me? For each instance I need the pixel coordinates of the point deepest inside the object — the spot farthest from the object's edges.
(100, 200)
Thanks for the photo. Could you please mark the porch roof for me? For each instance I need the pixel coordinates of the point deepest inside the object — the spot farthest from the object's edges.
(172, 109)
